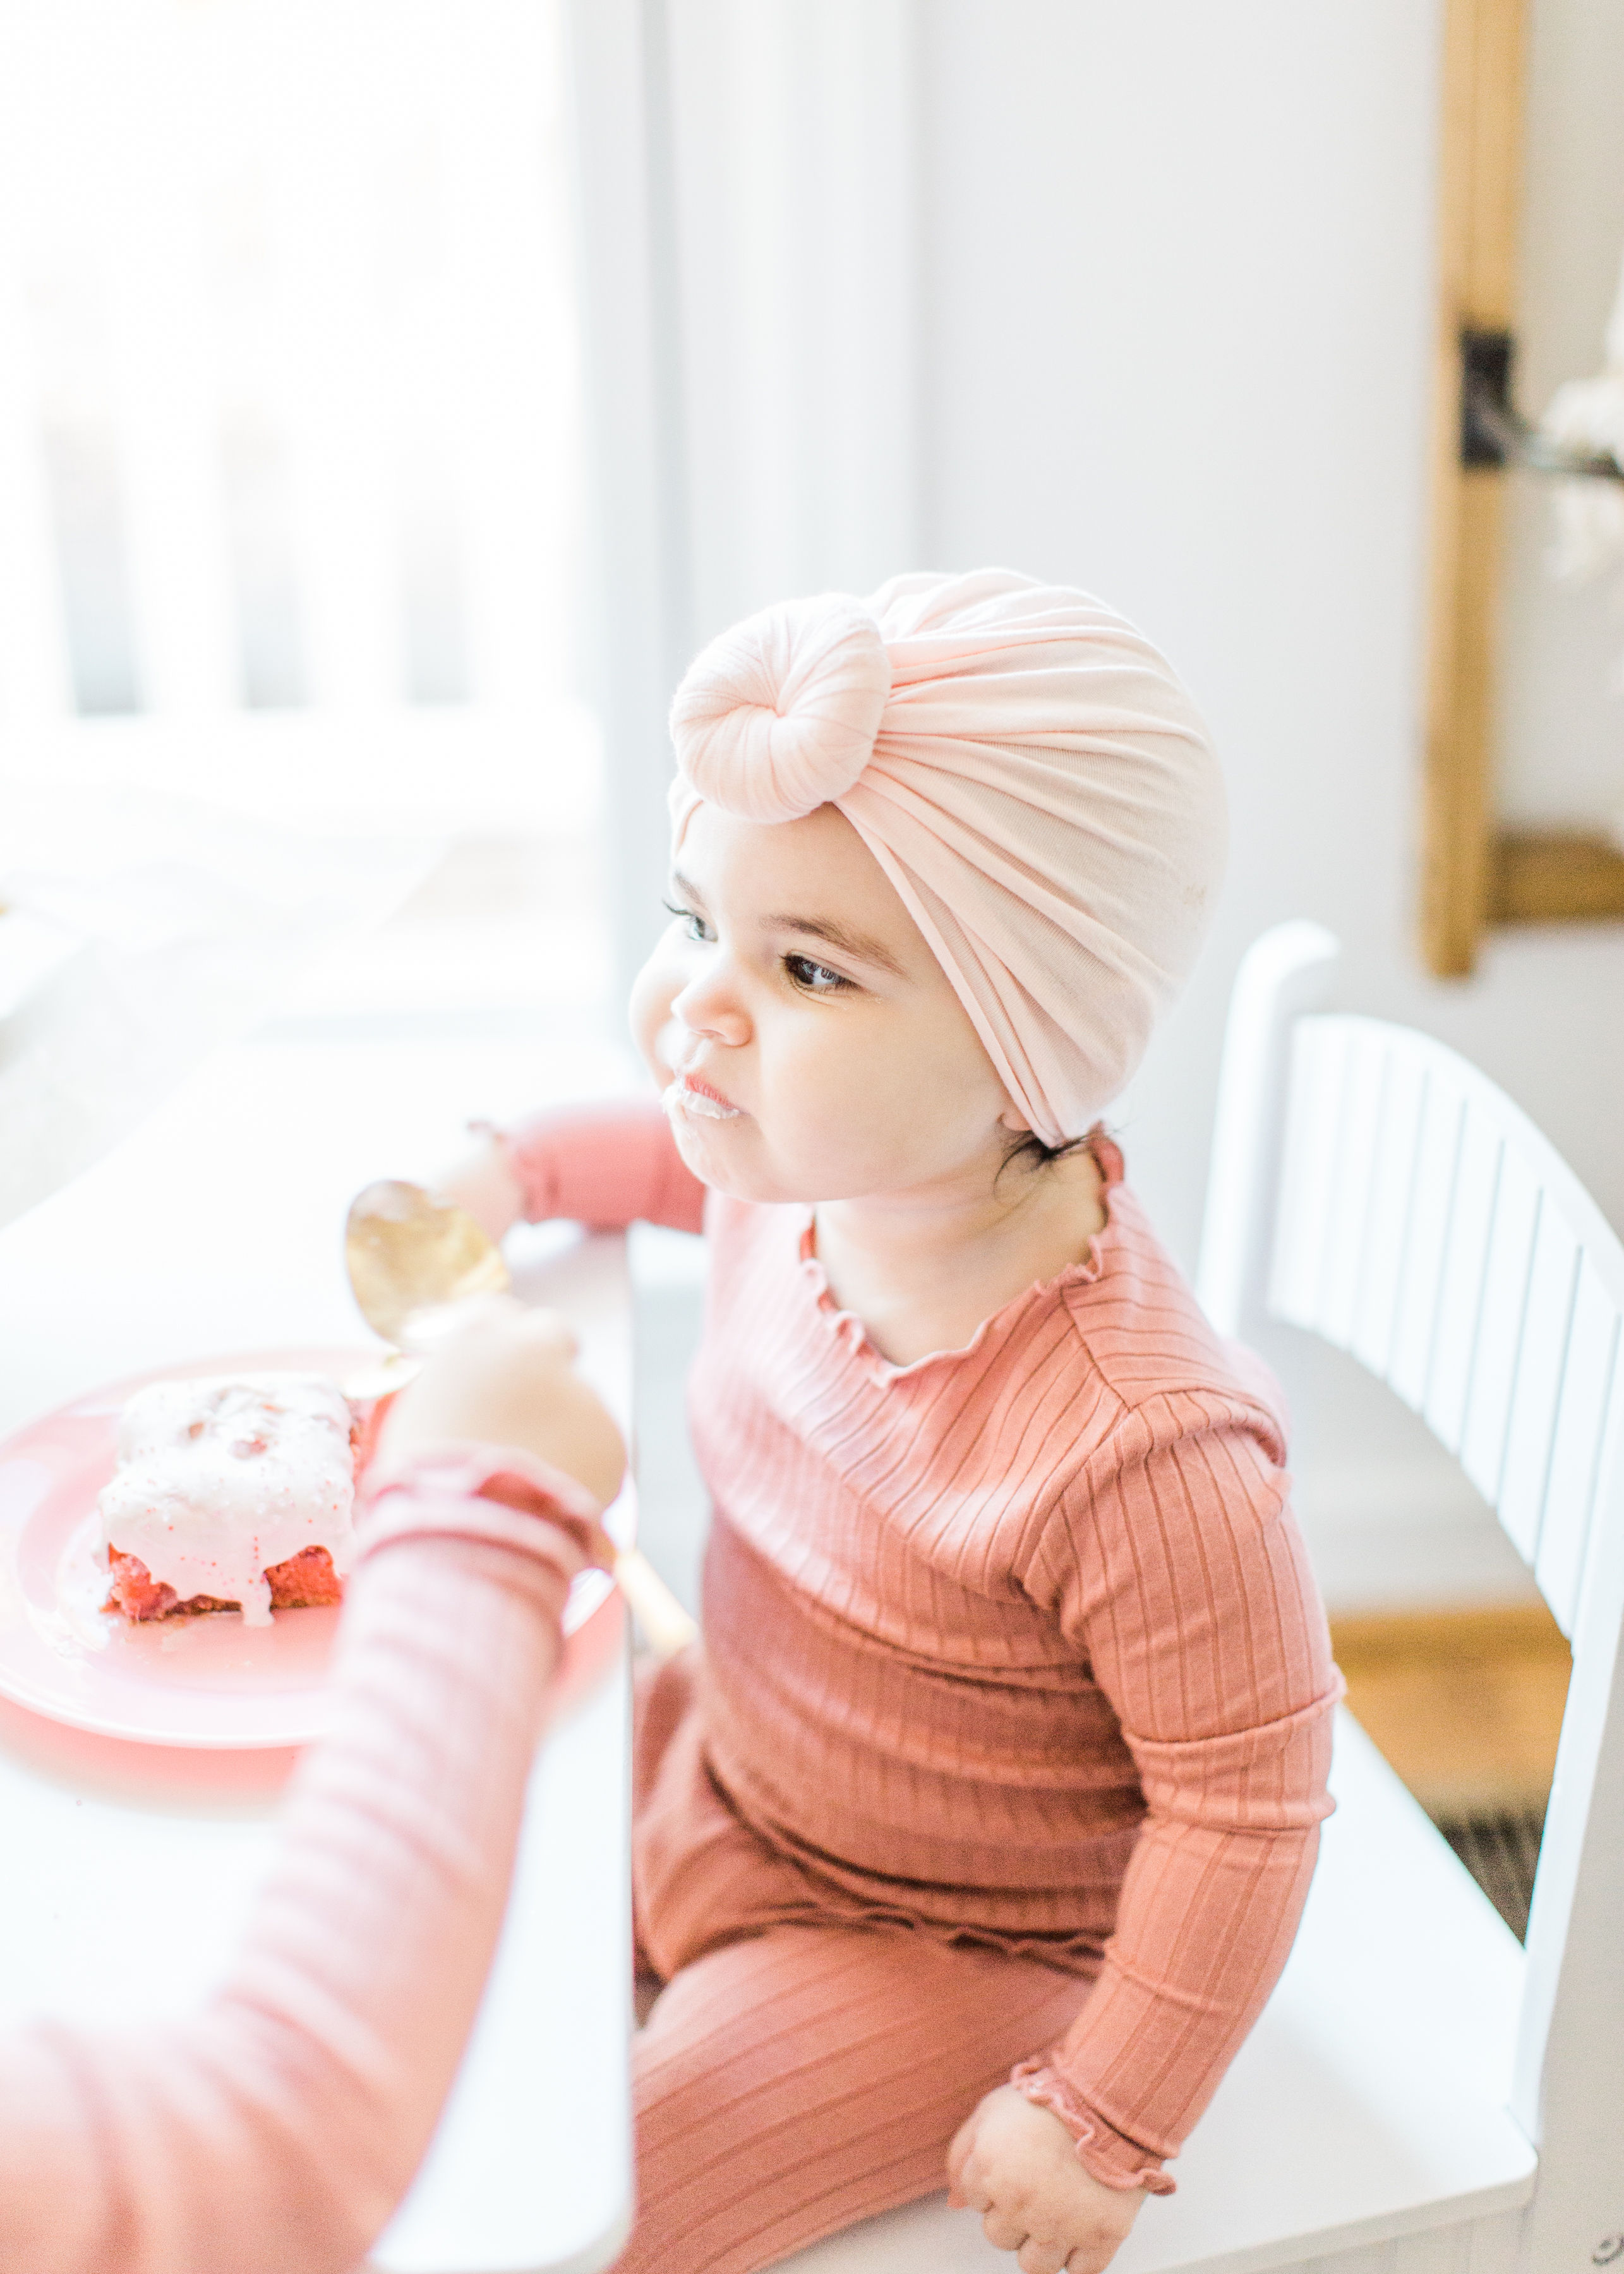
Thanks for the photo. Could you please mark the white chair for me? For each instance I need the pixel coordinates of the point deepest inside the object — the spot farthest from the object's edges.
(1421, 2095)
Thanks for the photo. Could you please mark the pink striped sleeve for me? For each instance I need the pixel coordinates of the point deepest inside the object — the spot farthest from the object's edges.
(1181, 1574)
(606, 1166)
(279, 2126)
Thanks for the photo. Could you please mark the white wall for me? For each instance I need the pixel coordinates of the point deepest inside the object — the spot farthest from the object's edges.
(1172, 303)
(1177, 319)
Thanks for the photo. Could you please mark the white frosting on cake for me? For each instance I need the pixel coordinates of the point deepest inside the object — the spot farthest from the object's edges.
(218, 1479)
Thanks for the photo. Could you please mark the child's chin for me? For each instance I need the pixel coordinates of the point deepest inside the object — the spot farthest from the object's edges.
(717, 1153)
(711, 1149)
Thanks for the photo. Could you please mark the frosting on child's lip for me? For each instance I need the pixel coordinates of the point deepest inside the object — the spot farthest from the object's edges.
(690, 1095)
(679, 1048)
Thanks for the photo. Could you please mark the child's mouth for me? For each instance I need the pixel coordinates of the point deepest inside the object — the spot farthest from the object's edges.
(688, 1094)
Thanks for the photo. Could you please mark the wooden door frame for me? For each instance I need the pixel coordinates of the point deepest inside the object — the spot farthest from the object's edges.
(1475, 872)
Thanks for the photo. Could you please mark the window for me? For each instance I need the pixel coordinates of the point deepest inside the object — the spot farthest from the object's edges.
(289, 450)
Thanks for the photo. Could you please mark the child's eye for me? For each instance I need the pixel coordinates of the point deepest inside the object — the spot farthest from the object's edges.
(817, 978)
(694, 927)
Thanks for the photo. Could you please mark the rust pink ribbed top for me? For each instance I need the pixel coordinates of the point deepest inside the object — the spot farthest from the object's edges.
(1018, 1643)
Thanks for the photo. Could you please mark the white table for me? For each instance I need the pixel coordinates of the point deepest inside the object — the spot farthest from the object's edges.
(217, 1228)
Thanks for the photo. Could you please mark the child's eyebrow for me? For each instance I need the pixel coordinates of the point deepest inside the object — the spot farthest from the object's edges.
(846, 937)
(841, 937)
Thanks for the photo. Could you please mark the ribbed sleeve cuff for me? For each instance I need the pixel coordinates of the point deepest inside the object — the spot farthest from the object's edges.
(604, 1165)
(1104, 2153)
(491, 1493)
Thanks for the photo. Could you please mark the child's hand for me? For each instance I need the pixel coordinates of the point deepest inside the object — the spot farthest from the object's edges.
(506, 1378)
(1015, 2162)
(482, 1181)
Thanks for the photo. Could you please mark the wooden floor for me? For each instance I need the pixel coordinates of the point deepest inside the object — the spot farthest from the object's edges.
(1466, 1704)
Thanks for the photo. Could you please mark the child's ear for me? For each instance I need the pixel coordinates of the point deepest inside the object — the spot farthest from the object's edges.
(1013, 1118)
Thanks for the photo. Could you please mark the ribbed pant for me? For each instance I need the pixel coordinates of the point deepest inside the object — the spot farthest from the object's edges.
(797, 2073)
(790, 2084)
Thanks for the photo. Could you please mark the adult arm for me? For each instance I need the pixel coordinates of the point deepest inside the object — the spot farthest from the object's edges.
(280, 2126)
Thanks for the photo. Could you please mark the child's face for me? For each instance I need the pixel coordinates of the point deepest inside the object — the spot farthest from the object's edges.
(809, 1043)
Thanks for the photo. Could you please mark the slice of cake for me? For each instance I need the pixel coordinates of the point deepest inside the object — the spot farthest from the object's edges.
(230, 1494)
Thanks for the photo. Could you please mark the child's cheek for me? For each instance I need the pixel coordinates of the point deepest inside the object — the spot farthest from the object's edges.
(653, 991)
(819, 1103)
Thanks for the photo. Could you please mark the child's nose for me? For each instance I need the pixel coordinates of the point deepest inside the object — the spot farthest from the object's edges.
(710, 1005)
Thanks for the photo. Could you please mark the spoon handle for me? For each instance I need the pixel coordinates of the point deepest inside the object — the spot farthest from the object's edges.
(667, 1627)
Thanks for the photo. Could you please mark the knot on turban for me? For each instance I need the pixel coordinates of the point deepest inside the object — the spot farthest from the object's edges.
(778, 716)
(1028, 772)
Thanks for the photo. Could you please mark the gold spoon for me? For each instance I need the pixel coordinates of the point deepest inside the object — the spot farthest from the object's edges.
(412, 1259)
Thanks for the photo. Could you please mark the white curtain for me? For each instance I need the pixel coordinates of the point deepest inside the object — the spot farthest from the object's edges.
(794, 147)
(748, 177)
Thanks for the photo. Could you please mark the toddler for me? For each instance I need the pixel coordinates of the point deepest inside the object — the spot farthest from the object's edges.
(970, 1843)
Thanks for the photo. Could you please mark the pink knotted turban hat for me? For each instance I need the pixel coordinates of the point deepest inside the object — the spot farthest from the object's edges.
(1026, 768)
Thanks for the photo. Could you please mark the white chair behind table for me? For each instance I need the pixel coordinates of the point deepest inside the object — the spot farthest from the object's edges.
(1421, 2095)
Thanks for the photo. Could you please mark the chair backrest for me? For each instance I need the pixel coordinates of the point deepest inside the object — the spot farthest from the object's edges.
(1370, 1187)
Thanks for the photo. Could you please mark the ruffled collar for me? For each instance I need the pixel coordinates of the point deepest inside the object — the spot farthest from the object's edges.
(849, 1328)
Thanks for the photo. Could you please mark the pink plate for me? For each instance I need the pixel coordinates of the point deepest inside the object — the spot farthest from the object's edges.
(210, 1681)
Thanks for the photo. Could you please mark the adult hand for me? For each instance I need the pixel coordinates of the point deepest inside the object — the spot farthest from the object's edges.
(1015, 2162)
(506, 1377)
